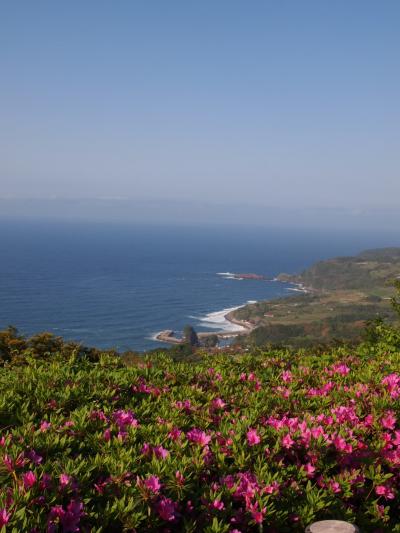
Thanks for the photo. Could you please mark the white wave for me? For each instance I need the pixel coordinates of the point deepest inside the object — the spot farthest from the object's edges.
(217, 320)
(229, 275)
(251, 301)
(154, 337)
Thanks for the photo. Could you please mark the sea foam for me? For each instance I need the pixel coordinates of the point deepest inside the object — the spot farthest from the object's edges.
(229, 275)
(217, 320)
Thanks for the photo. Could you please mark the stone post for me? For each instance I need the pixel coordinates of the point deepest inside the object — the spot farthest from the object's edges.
(332, 526)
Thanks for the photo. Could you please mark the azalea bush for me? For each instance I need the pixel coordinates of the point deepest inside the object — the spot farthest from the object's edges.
(264, 442)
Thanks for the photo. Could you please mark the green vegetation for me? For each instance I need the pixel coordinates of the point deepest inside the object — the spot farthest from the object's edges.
(211, 341)
(344, 294)
(269, 441)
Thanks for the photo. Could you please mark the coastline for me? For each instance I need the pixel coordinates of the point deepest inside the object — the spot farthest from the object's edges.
(244, 328)
(331, 300)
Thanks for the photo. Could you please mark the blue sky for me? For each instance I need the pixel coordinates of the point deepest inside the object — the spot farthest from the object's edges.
(281, 103)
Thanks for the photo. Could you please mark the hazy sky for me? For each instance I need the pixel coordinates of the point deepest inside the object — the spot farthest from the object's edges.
(274, 102)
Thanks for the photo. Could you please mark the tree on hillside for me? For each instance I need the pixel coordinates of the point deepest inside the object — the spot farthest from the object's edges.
(395, 300)
(379, 331)
(190, 336)
(211, 341)
(11, 343)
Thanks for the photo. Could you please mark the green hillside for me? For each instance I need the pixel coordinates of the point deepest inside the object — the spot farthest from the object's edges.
(343, 294)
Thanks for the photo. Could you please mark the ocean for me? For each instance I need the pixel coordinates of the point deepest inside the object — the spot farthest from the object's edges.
(117, 285)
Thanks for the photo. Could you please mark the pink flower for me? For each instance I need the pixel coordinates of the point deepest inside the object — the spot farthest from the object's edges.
(393, 388)
(44, 426)
(160, 452)
(386, 492)
(8, 462)
(391, 379)
(392, 382)
(309, 469)
(284, 391)
(253, 437)
(71, 518)
(244, 483)
(185, 406)
(218, 403)
(257, 515)
(257, 385)
(287, 441)
(56, 512)
(146, 449)
(368, 420)
(29, 479)
(123, 419)
(396, 440)
(341, 369)
(122, 435)
(199, 437)
(388, 421)
(34, 457)
(272, 488)
(98, 415)
(65, 480)
(175, 433)
(4, 517)
(45, 482)
(107, 435)
(153, 484)
(287, 376)
(341, 445)
(218, 505)
(166, 509)
(101, 485)
(335, 487)
(179, 477)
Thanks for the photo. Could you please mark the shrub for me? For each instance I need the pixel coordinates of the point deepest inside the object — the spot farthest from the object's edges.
(231, 443)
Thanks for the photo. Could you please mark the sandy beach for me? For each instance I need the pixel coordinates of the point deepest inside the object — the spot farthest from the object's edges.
(242, 328)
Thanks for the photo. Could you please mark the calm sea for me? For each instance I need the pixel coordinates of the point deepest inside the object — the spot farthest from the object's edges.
(118, 285)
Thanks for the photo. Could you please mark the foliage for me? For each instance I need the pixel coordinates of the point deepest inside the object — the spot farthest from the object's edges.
(272, 440)
(381, 335)
(395, 300)
(211, 341)
(16, 349)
